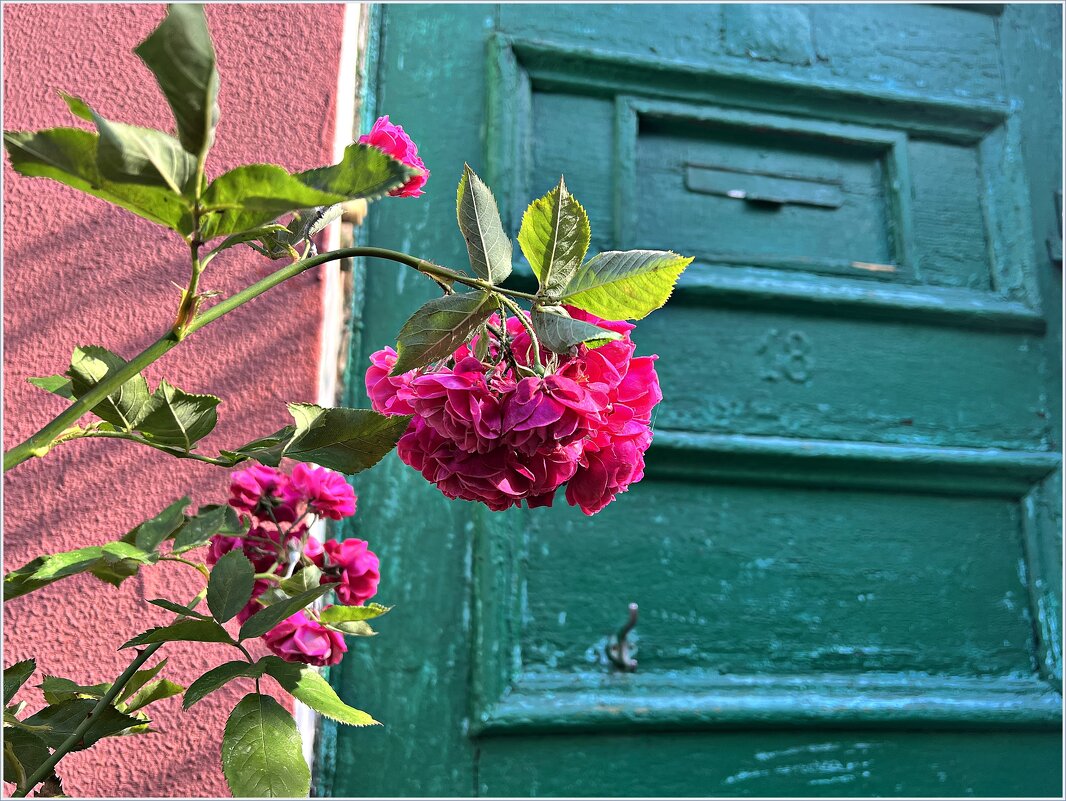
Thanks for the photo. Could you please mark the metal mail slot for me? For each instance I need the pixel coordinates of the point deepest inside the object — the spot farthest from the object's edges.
(763, 187)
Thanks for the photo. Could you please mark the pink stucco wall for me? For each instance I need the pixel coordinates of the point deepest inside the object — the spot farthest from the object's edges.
(77, 271)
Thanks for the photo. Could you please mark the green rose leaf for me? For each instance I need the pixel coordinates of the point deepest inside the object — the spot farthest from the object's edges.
(178, 609)
(181, 56)
(182, 631)
(347, 440)
(229, 588)
(17, 675)
(262, 753)
(305, 684)
(149, 534)
(364, 172)
(479, 220)
(89, 365)
(112, 562)
(307, 578)
(559, 332)
(265, 619)
(177, 418)
(58, 721)
(56, 384)
(57, 689)
(206, 523)
(353, 628)
(625, 285)
(218, 677)
(24, 752)
(249, 196)
(152, 692)
(344, 614)
(555, 237)
(68, 155)
(439, 327)
(139, 680)
(267, 450)
(130, 153)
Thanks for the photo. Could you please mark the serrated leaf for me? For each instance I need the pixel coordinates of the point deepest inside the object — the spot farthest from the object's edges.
(17, 675)
(178, 418)
(559, 332)
(262, 753)
(555, 237)
(206, 523)
(181, 56)
(254, 194)
(57, 689)
(56, 384)
(439, 327)
(24, 752)
(148, 535)
(347, 440)
(306, 685)
(364, 172)
(132, 154)
(68, 155)
(89, 365)
(218, 677)
(178, 609)
(306, 578)
(479, 220)
(139, 680)
(182, 631)
(58, 721)
(267, 450)
(342, 614)
(251, 235)
(624, 285)
(229, 589)
(265, 619)
(353, 628)
(152, 692)
(112, 562)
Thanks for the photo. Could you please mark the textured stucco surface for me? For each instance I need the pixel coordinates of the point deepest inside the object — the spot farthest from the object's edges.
(77, 271)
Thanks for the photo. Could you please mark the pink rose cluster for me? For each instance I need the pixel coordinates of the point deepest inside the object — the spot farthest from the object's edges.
(482, 433)
(280, 508)
(393, 140)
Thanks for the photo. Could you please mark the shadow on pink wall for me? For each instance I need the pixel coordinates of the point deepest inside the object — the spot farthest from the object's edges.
(78, 271)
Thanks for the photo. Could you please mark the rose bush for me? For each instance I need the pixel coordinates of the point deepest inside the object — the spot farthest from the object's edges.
(489, 401)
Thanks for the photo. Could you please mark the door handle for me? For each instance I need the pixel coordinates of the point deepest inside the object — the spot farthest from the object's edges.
(619, 649)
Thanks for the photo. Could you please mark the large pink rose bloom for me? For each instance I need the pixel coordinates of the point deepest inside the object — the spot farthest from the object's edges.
(325, 491)
(394, 140)
(350, 564)
(300, 639)
(481, 433)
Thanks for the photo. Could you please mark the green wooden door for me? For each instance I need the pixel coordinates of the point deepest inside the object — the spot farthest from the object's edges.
(846, 548)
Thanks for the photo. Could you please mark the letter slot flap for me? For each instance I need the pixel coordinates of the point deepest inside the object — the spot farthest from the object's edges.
(764, 187)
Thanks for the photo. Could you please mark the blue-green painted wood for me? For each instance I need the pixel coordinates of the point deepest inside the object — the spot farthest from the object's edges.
(846, 550)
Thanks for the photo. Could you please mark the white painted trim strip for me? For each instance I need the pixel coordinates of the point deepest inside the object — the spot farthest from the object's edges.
(330, 334)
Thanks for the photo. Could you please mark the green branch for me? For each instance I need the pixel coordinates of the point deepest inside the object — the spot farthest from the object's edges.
(40, 443)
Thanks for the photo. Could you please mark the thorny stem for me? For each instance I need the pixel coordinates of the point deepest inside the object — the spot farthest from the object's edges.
(40, 443)
(534, 341)
(46, 767)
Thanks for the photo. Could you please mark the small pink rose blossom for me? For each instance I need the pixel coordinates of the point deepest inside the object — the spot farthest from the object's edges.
(393, 140)
(300, 639)
(325, 491)
(382, 388)
(261, 491)
(351, 565)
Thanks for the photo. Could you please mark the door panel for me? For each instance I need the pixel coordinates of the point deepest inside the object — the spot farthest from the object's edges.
(846, 533)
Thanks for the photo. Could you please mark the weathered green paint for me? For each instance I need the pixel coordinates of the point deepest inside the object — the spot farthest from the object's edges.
(846, 549)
